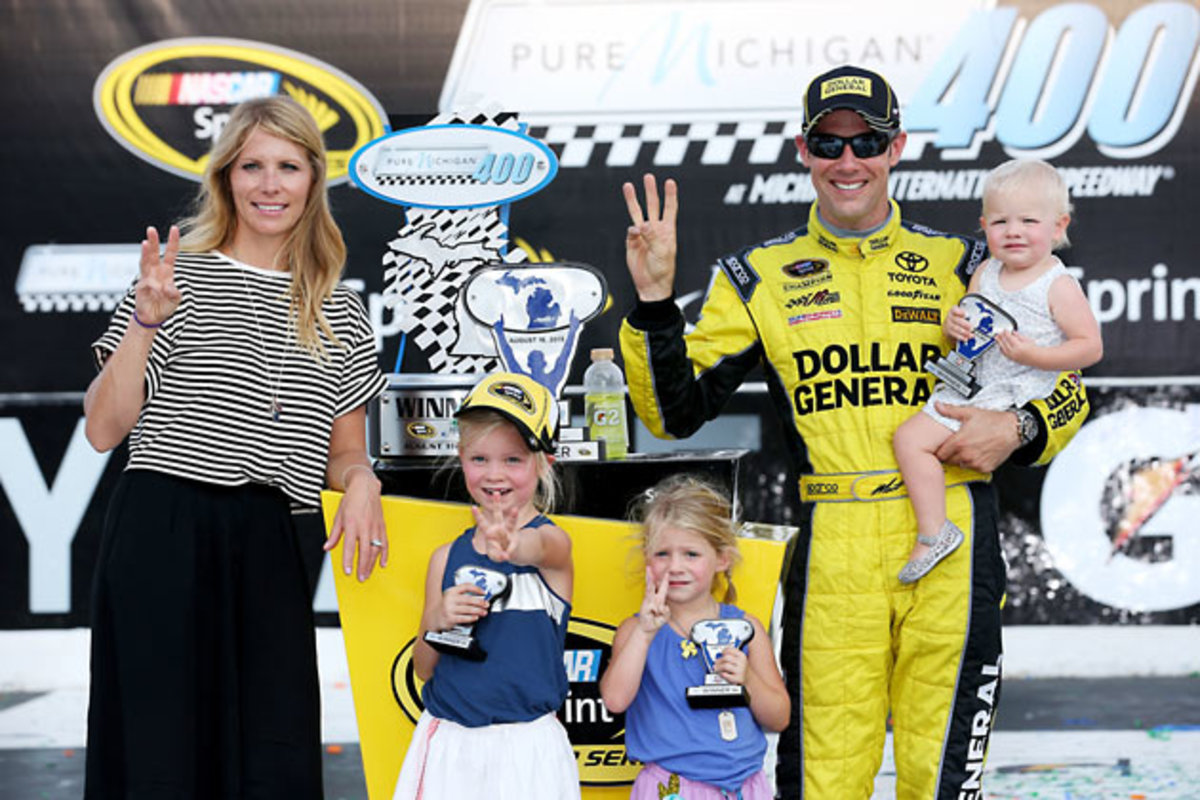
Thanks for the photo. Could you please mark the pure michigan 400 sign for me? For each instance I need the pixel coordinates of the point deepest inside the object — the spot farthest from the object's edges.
(1051, 79)
(453, 166)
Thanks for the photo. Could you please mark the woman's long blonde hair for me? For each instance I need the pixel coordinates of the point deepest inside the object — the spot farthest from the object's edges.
(314, 251)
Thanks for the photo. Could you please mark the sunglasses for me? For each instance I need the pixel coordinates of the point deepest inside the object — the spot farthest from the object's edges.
(863, 145)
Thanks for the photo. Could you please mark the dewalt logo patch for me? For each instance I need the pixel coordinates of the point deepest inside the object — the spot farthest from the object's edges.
(927, 316)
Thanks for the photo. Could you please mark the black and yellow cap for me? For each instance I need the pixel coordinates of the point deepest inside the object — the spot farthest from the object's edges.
(857, 89)
(523, 401)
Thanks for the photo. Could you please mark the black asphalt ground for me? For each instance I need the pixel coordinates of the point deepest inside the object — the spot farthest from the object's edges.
(1057, 704)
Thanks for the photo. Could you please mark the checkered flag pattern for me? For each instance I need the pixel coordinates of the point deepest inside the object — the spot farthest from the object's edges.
(424, 180)
(71, 301)
(670, 145)
(431, 258)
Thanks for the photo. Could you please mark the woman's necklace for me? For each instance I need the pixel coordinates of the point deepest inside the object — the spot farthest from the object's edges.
(276, 407)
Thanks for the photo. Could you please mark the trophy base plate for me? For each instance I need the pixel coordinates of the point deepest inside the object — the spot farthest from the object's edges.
(965, 385)
(729, 695)
(452, 643)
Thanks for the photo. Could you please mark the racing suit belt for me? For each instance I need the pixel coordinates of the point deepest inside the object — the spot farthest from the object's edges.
(871, 486)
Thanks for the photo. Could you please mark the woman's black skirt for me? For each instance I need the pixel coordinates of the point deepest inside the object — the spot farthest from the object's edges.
(204, 667)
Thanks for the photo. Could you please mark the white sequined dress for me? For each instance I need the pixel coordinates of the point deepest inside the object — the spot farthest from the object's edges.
(1006, 383)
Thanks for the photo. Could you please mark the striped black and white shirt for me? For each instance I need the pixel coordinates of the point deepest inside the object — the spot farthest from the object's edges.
(217, 364)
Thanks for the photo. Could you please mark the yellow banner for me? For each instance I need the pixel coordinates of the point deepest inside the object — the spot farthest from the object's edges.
(380, 619)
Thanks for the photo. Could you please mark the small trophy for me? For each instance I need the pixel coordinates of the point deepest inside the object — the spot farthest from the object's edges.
(957, 369)
(458, 641)
(713, 636)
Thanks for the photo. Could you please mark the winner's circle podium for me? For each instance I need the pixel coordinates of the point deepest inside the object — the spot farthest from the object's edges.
(380, 618)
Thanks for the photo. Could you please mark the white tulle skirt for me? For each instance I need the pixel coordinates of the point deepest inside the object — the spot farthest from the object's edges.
(514, 761)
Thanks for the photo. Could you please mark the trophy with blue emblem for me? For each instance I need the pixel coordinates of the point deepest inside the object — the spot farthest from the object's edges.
(713, 636)
(459, 641)
(957, 369)
(535, 314)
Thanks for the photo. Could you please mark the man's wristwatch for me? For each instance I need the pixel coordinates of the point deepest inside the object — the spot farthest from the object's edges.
(1027, 425)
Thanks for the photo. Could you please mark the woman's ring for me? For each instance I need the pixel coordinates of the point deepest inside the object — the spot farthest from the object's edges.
(376, 543)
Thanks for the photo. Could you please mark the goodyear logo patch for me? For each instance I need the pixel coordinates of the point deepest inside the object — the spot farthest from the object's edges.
(166, 102)
(597, 736)
(847, 85)
(927, 316)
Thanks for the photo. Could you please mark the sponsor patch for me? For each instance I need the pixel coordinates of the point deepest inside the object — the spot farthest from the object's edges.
(911, 279)
(915, 294)
(846, 85)
(814, 316)
(877, 243)
(824, 297)
(926, 316)
(977, 256)
(809, 267)
(741, 275)
(909, 261)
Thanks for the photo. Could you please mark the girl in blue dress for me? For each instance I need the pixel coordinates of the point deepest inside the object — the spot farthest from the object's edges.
(690, 548)
(489, 727)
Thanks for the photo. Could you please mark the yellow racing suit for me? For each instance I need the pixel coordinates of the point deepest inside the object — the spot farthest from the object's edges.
(842, 328)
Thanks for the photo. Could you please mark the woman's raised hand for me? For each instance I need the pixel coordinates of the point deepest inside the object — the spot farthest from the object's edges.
(156, 296)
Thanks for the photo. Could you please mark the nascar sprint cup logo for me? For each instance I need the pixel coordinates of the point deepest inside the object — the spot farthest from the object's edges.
(166, 102)
(597, 735)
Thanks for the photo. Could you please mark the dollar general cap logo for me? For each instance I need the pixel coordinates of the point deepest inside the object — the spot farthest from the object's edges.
(165, 102)
(846, 85)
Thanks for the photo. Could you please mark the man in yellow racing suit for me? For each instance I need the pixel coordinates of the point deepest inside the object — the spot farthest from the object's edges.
(841, 315)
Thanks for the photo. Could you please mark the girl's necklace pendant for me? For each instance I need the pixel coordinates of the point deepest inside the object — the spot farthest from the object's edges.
(276, 409)
(728, 725)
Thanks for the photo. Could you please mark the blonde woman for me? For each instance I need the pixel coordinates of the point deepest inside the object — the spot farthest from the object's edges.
(239, 369)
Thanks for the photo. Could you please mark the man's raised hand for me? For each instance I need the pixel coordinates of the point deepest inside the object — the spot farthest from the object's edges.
(650, 240)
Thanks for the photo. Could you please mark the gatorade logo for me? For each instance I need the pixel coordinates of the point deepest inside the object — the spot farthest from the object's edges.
(166, 102)
(606, 417)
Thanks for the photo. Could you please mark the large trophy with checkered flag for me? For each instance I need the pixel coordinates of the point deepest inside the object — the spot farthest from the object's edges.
(467, 301)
